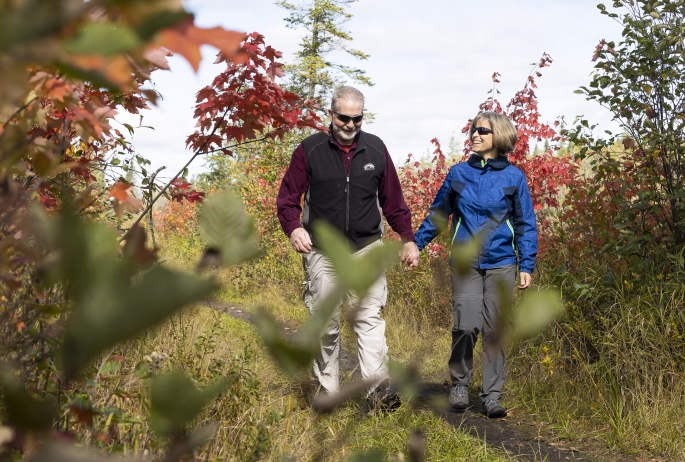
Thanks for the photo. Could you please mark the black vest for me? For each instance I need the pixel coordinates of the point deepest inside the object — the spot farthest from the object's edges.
(349, 204)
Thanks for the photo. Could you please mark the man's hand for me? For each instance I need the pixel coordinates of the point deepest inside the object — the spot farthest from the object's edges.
(410, 254)
(300, 240)
(525, 280)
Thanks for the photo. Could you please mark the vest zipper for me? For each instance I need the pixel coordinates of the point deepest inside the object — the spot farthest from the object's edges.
(347, 190)
(347, 206)
(347, 195)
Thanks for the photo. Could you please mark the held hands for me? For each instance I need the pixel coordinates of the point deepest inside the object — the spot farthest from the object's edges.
(410, 254)
(525, 280)
(301, 241)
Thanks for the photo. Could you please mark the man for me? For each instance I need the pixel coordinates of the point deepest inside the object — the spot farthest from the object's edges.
(348, 178)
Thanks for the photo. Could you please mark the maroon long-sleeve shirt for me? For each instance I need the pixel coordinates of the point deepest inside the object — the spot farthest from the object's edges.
(296, 182)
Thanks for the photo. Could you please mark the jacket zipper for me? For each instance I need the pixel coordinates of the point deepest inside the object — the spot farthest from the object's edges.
(512, 235)
(455, 235)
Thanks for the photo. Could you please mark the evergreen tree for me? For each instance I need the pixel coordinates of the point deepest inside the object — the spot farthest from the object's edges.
(454, 149)
(313, 75)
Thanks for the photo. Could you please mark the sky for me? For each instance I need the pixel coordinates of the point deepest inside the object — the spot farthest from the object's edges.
(431, 63)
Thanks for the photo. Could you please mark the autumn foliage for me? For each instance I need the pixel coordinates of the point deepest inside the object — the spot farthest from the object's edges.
(549, 175)
(69, 291)
(244, 101)
(177, 218)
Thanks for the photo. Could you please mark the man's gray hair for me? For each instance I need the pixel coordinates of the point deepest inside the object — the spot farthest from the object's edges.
(346, 93)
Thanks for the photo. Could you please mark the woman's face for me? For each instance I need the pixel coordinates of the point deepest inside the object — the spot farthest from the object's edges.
(482, 144)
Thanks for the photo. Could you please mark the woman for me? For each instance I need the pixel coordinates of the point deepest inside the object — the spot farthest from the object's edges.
(489, 198)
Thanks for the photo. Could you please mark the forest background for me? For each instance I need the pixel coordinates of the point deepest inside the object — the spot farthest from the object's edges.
(99, 354)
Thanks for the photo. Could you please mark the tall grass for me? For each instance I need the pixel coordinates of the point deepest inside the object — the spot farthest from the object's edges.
(613, 368)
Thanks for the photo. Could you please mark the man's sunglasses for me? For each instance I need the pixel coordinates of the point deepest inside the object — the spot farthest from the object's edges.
(346, 119)
(481, 130)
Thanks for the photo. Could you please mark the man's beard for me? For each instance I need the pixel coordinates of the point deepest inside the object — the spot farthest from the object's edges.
(344, 135)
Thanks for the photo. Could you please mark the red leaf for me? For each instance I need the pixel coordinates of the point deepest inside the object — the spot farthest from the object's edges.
(177, 42)
(57, 89)
(227, 41)
(157, 56)
(187, 38)
(120, 191)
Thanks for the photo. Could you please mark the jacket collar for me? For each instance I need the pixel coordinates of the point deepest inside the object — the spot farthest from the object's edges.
(498, 163)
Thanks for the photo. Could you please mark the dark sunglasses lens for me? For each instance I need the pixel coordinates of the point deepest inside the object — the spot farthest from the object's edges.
(346, 119)
(482, 130)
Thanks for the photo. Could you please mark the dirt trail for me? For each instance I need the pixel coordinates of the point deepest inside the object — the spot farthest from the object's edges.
(520, 442)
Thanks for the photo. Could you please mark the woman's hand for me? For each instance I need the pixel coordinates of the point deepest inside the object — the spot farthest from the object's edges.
(525, 280)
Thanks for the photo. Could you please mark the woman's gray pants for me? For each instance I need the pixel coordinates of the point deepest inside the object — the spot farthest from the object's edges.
(478, 298)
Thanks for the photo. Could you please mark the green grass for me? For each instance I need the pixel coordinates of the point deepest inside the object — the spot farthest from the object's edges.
(301, 434)
(349, 432)
(282, 421)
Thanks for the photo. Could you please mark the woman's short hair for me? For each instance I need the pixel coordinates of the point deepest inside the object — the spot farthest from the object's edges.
(504, 135)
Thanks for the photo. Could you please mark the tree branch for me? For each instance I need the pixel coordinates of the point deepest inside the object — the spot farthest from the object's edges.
(241, 144)
(150, 219)
(18, 111)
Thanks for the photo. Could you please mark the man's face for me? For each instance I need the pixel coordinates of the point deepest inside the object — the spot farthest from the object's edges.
(346, 132)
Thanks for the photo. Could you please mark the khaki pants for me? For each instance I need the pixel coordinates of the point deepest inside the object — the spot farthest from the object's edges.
(366, 322)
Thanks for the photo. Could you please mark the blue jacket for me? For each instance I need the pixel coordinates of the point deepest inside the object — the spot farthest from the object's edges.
(489, 197)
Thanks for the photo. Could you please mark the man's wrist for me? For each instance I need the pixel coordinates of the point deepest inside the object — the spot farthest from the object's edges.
(290, 227)
(408, 238)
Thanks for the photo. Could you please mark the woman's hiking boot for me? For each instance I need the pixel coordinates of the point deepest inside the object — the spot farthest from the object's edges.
(459, 396)
(493, 409)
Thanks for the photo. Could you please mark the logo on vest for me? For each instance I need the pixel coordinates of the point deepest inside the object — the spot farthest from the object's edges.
(369, 167)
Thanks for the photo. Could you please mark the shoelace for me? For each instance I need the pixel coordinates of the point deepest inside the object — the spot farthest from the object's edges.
(460, 390)
(491, 402)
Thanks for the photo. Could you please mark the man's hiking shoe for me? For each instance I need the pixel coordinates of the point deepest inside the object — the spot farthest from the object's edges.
(493, 409)
(384, 398)
(459, 396)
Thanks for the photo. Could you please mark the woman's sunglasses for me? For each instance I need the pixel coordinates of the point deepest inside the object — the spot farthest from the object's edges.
(482, 130)
(346, 119)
